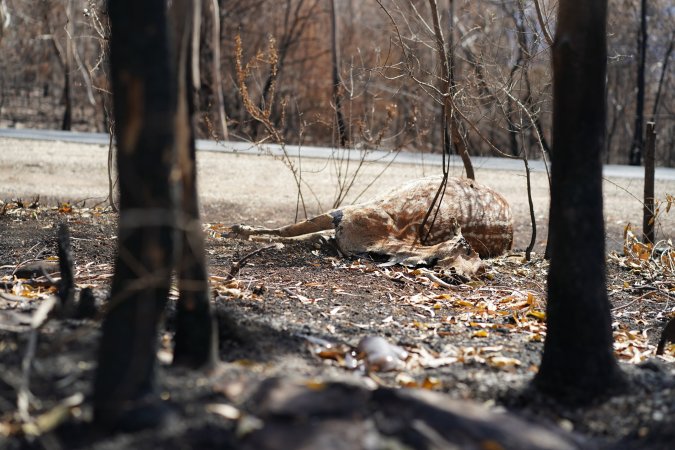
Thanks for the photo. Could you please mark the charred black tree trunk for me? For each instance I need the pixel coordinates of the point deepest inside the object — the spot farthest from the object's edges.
(211, 90)
(635, 157)
(578, 364)
(195, 341)
(67, 121)
(664, 71)
(337, 83)
(648, 211)
(513, 128)
(153, 136)
(144, 95)
(67, 284)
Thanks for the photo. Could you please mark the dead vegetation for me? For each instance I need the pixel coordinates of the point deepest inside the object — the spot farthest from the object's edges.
(305, 310)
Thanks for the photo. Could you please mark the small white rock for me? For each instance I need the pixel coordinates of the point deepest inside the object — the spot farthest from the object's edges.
(566, 425)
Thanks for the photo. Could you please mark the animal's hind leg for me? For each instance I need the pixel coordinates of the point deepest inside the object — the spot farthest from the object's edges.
(319, 223)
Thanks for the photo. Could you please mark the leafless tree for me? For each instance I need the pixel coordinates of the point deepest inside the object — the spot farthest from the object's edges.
(578, 364)
(337, 82)
(498, 48)
(638, 133)
(212, 106)
(154, 81)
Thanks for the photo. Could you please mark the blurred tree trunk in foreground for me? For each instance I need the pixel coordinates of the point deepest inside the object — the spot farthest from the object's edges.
(578, 363)
(158, 225)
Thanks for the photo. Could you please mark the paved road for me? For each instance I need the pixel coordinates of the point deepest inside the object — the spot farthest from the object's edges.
(238, 184)
(610, 170)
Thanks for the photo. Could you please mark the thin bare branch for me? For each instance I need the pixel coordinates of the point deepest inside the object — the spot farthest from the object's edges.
(542, 23)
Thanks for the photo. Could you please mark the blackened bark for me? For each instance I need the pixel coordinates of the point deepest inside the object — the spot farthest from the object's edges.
(530, 202)
(635, 157)
(195, 340)
(211, 90)
(664, 71)
(513, 129)
(578, 364)
(648, 197)
(450, 54)
(144, 90)
(667, 335)
(195, 343)
(67, 283)
(540, 129)
(337, 83)
(67, 121)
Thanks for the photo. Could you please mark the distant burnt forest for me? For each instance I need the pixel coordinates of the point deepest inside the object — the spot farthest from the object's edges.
(375, 74)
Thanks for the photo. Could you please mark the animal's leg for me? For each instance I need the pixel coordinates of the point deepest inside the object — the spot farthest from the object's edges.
(319, 223)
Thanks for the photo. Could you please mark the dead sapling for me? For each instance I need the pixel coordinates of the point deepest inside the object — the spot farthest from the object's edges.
(66, 290)
(68, 308)
(668, 335)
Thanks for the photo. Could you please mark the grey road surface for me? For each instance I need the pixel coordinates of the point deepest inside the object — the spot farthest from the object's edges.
(609, 170)
(241, 183)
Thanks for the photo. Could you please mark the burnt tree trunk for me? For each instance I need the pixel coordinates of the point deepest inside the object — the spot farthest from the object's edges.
(151, 110)
(635, 157)
(144, 95)
(337, 83)
(211, 90)
(195, 341)
(578, 364)
(648, 211)
(67, 121)
(513, 128)
(664, 71)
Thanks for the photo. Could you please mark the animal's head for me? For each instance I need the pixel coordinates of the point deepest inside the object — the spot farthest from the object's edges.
(455, 254)
(358, 234)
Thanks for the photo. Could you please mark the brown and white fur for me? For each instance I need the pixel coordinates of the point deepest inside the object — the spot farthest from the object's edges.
(390, 225)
